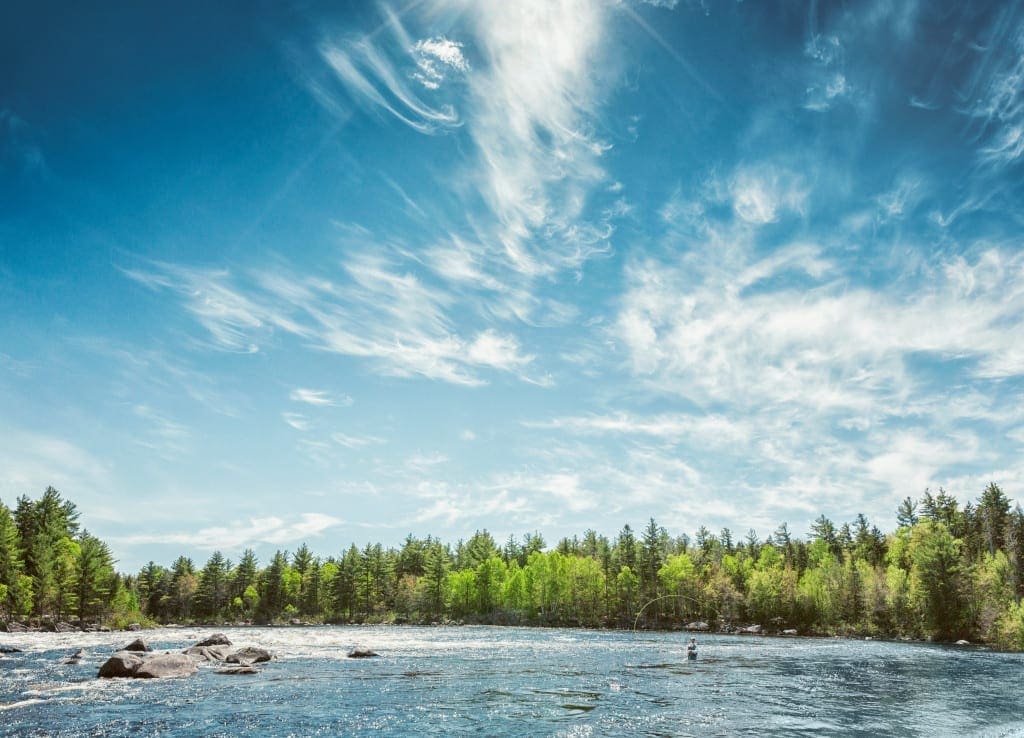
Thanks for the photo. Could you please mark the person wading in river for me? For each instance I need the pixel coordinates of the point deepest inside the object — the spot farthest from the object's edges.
(691, 649)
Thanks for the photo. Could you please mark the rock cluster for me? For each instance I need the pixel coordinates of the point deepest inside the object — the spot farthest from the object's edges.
(138, 662)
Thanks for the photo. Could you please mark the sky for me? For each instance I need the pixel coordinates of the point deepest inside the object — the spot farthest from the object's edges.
(338, 273)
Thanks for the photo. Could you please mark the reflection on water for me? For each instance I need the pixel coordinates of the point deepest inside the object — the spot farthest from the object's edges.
(512, 681)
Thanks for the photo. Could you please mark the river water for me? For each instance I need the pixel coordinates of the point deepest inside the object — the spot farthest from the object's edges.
(516, 682)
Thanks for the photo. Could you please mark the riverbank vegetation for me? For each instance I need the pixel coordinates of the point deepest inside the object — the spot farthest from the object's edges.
(947, 572)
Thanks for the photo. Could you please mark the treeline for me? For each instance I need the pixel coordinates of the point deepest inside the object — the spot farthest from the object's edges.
(947, 572)
(51, 569)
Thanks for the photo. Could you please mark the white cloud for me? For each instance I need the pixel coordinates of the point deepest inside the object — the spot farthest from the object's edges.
(373, 82)
(760, 195)
(377, 313)
(273, 530)
(296, 421)
(434, 56)
(319, 398)
(996, 95)
(530, 112)
(348, 441)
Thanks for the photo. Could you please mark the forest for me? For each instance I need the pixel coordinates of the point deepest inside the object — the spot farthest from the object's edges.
(948, 572)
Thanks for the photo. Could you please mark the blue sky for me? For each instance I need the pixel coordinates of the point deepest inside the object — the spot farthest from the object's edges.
(338, 273)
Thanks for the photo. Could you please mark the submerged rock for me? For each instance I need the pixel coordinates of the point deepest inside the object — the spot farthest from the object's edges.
(249, 655)
(217, 639)
(362, 653)
(75, 657)
(9, 649)
(239, 670)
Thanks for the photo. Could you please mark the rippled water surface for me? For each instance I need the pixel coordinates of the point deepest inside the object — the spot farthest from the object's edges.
(516, 681)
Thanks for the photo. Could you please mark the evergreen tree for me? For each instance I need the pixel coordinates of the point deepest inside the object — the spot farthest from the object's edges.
(994, 512)
(906, 514)
(625, 550)
(95, 576)
(182, 587)
(273, 587)
(211, 596)
(11, 566)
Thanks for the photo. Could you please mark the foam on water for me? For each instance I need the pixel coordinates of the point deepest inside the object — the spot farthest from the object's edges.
(515, 681)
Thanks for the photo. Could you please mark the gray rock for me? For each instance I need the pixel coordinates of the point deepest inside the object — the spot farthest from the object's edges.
(362, 653)
(121, 664)
(75, 657)
(165, 666)
(208, 653)
(699, 625)
(239, 670)
(137, 645)
(217, 639)
(133, 626)
(17, 628)
(789, 632)
(963, 643)
(249, 655)
(751, 630)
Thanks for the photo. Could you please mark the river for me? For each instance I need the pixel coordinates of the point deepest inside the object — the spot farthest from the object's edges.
(490, 681)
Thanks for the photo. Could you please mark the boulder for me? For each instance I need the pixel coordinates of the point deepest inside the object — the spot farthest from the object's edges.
(133, 626)
(208, 653)
(17, 628)
(75, 657)
(249, 655)
(362, 653)
(121, 664)
(963, 643)
(217, 639)
(165, 666)
(65, 628)
(751, 630)
(699, 625)
(137, 645)
(789, 632)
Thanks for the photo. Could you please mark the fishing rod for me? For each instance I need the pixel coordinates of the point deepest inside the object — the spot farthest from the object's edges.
(667, 597)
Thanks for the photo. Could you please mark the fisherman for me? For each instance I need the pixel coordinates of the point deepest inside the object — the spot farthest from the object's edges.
(691, 649)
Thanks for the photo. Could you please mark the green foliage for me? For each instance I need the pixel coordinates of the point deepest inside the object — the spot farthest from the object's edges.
(947, 571)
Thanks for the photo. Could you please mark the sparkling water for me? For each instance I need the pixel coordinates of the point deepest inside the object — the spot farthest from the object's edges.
(515, 681)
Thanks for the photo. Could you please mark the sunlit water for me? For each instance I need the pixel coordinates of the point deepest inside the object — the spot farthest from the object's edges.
(516, 681)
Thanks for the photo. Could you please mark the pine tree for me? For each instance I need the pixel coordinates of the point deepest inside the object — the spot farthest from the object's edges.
(11, 566)
(95, 580)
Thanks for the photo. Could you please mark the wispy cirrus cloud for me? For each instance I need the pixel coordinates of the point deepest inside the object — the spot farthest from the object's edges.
(272, 530)
(374, 312)
(995, 92)
(350, 441)
(377, 80)
(319, 398)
